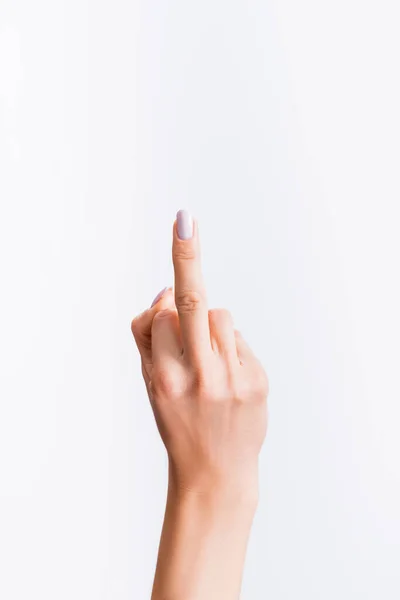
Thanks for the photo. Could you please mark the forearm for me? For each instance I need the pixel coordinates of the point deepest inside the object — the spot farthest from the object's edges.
(208, 392)
(203, 545)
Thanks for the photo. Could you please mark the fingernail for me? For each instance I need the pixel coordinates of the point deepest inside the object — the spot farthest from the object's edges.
(184, 223)
(159, 295)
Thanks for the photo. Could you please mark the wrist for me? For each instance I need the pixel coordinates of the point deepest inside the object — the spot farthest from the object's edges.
(204, 539)
(210, 513)
(228, 494)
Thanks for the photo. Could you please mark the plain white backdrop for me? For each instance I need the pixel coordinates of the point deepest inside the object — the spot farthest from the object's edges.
(276, 123)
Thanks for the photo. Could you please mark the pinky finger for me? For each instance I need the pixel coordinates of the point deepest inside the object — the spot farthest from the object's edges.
(244, 352)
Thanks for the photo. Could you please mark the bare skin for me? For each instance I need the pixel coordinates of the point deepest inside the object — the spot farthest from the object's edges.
(208, 392)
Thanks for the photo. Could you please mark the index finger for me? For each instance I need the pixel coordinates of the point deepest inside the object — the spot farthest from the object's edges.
(141, 327)
(190, 292)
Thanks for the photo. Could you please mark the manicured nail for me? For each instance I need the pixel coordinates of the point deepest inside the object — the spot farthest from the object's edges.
(184, 223)
(159, 295)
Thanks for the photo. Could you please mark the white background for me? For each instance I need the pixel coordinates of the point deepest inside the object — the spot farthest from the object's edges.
(277, 125)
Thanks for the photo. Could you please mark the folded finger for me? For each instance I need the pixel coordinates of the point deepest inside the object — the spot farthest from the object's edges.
(223, 334)
(141, 326)
(244, 352)
(165, 336)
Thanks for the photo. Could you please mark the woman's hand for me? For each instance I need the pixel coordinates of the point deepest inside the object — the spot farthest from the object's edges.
(207, 389)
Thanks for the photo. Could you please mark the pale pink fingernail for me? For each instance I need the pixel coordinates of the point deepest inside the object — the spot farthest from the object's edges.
(159, 295)
(184, 224)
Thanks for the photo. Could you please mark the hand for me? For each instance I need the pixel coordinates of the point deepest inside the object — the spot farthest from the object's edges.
(208, 392)
(207, 389)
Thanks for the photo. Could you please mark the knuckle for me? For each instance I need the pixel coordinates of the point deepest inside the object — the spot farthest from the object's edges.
(188, 301)
(211, 387)
(165, 313)
(220, 315)
(184, 252)
(240, 393)
(135, 325)
(261, 385)
(234, 384)
(165, 383)
(253, 388)
(200, 383)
